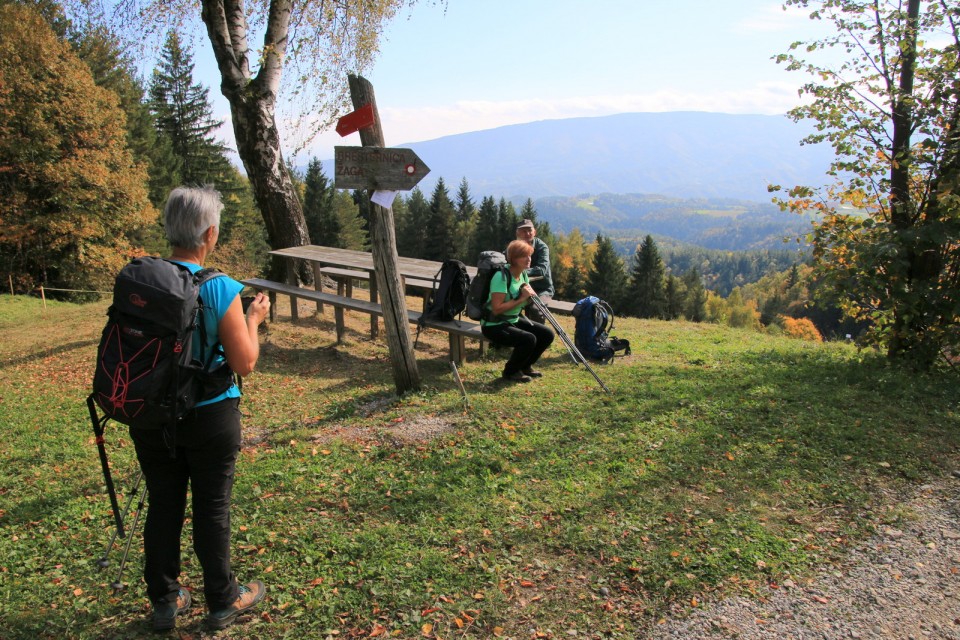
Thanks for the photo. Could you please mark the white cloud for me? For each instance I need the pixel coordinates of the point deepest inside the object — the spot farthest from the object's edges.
(403, 125)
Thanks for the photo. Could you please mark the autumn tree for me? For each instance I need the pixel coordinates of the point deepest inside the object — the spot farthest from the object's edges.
(891, 111)
(570, 259)
(70, 191)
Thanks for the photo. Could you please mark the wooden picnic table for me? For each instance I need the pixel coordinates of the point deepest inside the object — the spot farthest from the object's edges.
(409, 269)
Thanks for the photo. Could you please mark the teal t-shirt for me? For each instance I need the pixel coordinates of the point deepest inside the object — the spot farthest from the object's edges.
(499, 284)
(217, 295)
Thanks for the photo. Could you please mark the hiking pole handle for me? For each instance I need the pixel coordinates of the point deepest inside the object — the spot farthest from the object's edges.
(572, 348)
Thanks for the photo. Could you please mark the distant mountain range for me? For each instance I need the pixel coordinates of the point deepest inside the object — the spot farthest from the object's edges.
(698, 178)
(679, 154)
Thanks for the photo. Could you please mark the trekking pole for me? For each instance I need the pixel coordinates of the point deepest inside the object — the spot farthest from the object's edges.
(104, 560)
(118, 584)
(463, 392)
(98, 427)
(571, 347)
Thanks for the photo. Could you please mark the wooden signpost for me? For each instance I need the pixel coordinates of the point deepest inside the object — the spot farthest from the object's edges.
(383, 241)
(377, 168)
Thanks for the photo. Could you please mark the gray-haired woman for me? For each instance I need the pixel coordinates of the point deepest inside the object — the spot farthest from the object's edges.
(207, 438)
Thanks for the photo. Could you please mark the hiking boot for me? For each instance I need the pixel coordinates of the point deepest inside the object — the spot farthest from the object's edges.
(250, 595)
(533, 373)
(165, 613)
(517, 376)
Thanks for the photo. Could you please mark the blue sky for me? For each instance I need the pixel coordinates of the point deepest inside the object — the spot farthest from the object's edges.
(487, 63)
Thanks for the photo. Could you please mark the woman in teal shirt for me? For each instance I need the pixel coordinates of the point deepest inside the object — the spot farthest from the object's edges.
(510, 292)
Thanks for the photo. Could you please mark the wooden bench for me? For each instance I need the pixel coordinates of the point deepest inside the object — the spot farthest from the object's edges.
(458, 331)
(561, 306)
(345, 277)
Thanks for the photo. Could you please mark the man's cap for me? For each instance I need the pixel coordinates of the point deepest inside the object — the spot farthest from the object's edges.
(526, 223)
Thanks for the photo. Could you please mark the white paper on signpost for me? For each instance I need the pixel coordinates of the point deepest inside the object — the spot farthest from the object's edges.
(383, 198)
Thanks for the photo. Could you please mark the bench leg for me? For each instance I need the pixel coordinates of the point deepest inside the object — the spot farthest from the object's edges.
(292, 280)
(374, 326)
(272, 295)
(338, 317)
(457, 348)
(318, 284)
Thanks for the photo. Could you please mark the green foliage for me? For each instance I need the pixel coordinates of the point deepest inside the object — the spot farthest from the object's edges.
(894, 127)
(70, 191)
(722, 461)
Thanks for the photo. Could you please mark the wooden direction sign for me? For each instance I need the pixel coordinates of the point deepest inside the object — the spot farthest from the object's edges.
(377, 168)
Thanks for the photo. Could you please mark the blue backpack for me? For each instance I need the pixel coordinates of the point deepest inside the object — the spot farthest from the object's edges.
(592, 334)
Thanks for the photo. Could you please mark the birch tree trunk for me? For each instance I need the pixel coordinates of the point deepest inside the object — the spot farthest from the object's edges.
(253, 110)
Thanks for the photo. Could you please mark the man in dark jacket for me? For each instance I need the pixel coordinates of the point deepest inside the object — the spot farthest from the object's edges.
(539, 272)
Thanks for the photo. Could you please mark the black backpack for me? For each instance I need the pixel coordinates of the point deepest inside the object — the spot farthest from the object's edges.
(148, 375)
(592, 334)
(488, 264)
(449, 295)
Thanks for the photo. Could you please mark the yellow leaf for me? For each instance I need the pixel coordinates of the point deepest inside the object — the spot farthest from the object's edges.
(426, 629)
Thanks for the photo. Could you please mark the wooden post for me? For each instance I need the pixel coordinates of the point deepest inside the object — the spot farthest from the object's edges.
(383, 245)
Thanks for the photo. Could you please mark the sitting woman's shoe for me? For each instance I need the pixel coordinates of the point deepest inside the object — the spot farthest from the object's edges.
(517, 376)
(533, 373)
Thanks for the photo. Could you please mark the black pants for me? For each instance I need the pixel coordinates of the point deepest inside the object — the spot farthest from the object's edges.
(208, 441)
(528, 339)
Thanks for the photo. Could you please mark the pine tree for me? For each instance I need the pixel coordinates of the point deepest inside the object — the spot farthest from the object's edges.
(607, 279)
(507, 221)
(412, 236)
(465, 206)
(695, 308)
(466, 225)
(441, 225)
(184, 116)
(675, 297)
(486, 237)
(647, 297)
(352, 234)
(318, 209)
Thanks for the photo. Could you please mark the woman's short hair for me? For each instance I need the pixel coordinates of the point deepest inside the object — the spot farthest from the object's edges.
(518, 249)
(189, 212)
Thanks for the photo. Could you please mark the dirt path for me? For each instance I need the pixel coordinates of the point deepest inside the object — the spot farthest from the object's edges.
(904, 583)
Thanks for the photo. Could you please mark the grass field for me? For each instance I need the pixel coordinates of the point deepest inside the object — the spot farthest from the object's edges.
(723, 460)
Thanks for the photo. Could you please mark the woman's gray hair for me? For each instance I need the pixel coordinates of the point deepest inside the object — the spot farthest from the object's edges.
(189, 212)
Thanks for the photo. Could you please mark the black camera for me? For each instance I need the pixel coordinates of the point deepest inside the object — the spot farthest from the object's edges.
(246, 301)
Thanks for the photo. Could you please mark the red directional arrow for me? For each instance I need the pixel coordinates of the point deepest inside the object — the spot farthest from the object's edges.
(359, 119)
